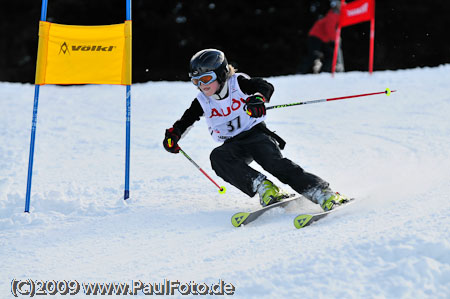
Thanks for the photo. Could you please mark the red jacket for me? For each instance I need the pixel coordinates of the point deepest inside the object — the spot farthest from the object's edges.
(325, 28)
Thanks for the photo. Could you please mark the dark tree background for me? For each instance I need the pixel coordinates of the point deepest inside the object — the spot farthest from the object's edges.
(262, 38)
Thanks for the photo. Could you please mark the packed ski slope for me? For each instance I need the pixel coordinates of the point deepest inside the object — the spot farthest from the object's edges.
(392, 153)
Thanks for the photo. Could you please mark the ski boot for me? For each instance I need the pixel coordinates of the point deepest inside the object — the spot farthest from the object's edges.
(269, 193)
(326, 198)
(335, 199)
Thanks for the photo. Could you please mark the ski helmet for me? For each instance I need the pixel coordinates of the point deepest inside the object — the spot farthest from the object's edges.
(209, 60)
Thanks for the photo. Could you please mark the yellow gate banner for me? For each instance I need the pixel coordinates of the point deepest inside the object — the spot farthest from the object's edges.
(84, 54)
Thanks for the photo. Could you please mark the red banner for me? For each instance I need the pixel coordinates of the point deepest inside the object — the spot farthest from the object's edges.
(357, 12)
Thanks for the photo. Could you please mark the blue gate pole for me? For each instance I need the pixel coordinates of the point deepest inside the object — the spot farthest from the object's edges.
(33, 126)
(127, 146)
(126, 194)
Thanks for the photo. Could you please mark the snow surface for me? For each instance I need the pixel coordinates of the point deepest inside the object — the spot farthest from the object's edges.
(392, 153)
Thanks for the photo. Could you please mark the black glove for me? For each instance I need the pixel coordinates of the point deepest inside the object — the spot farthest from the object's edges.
(171, 140)
(254, 105)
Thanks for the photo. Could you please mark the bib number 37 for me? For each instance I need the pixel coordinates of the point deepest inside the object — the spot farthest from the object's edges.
(234, 124)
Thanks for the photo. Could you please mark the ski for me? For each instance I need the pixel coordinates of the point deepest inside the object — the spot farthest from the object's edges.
(243, 218)
(303, 220)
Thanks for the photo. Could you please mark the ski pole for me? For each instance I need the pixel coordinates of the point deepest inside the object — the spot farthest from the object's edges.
(387, 92)
(222, 189)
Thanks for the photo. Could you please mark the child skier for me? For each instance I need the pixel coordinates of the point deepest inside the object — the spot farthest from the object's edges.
(233, 105)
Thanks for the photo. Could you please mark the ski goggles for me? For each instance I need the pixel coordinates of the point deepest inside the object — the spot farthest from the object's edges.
(205, 78)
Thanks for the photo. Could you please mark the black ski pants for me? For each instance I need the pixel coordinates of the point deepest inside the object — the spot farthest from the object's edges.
(317, 49)
(231, 162)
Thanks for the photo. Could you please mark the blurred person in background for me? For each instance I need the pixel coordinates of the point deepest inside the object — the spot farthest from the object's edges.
(320, 43)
